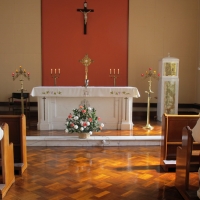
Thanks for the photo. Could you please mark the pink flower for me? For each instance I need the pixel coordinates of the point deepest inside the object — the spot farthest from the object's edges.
(84, 124)
(90, 119)
(83, 111)
(72, 125)
(81, 107)
(150, 69)
(142, 74)
(99, 118)
(158, 74)
(70, 116)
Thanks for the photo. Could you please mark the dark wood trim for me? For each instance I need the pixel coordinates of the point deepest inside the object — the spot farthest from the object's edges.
(5, 104)
(137, 114)
(181, 105)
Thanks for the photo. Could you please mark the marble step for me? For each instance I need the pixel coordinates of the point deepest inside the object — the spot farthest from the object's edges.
(93, 141)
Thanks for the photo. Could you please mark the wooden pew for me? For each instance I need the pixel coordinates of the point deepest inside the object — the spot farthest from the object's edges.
(7, 162)
(187, 160)
(17, 135)
(171, 137)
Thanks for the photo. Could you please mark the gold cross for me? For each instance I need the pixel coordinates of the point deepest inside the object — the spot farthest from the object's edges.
(86, 61)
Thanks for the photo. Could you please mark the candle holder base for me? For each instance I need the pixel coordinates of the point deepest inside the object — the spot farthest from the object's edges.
(149, 127)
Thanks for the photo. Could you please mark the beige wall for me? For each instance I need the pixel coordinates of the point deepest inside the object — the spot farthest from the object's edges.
(20, 44)
(159, 27)
(156, 28)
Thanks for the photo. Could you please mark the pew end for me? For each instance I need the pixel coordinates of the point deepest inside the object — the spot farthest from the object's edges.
(187, 160)
(17, 135)
(7, 162)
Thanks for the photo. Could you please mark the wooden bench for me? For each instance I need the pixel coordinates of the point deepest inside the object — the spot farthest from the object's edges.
(171, 137)
(17, 135)
(7, 162)
(187, 160)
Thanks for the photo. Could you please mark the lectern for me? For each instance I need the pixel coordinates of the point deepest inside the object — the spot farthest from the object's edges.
(168, 87)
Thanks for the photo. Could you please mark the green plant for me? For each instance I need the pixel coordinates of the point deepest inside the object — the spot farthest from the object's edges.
(83, 120)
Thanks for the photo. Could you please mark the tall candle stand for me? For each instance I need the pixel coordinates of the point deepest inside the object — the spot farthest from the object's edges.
(55, 75)
(114, 76)
(149, 75)
(22, 74)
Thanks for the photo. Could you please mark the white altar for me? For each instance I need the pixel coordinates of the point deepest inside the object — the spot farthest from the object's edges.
(113, 105)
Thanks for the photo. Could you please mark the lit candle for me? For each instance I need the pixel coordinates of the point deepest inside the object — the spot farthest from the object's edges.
(118, 71)
(59, 71)
(110, 71)
(114, 71)
(51, 71)
(55, 71)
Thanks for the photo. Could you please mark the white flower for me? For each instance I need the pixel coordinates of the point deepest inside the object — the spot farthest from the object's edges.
(76, 118)
(67, 123)
(66, 130)
(81, 122)
(88, 123)
(89, 108)
(81, 128)
(102, 125)
(75, 126)
(90, 132)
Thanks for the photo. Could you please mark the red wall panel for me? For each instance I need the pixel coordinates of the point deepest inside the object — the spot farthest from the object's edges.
(64, 43)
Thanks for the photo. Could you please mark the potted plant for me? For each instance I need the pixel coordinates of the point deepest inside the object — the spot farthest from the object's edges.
(83, 121)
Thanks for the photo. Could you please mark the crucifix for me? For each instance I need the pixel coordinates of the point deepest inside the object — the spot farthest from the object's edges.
(85, 11)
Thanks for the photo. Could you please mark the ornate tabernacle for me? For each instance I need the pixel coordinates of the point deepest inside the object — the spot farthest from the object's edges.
(168, 87)
(22, 74)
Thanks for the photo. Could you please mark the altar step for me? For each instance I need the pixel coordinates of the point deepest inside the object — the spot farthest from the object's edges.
(93, 141)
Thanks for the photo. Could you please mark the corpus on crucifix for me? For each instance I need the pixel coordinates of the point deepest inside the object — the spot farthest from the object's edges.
(85, 11)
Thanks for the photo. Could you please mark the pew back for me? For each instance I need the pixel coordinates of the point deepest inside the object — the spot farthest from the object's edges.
(171, 136)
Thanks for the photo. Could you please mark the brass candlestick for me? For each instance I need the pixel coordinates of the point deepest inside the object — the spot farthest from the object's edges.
(55, 75)
(149, 75)
(22, 73)
(114, 76)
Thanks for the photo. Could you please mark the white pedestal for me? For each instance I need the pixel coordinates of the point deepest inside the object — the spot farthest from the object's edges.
(168, 87)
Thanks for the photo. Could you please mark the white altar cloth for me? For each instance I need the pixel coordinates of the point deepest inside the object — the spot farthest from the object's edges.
(113, 105)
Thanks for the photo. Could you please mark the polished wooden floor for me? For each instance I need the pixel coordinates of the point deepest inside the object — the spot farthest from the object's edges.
(138, 130)
(91, 173)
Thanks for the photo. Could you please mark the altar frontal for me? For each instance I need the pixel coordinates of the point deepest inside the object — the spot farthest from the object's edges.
(113, 104)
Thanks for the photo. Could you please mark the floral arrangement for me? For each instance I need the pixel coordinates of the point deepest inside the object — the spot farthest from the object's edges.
(150, 74)
(83, 120)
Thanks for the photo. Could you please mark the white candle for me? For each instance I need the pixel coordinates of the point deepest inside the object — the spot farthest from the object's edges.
(110, 71)
(55, 71)
(114, 71)
(118, 71)
(59, 71)
(51, 71)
